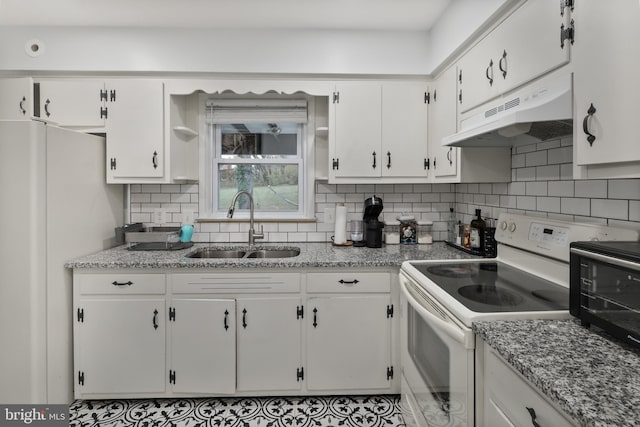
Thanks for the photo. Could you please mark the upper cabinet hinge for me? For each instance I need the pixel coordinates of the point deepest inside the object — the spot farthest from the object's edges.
(172, 314)
(460, 76)
(389, 311)
(300, 312)
(103, 95)
(300, 374)
(389, 373)
(81, 315)
(112, 95)
(565, 4)
(104, 112)
(567, 33)
(427, 98)
(80, 377)
(336, 97)
(172, 376)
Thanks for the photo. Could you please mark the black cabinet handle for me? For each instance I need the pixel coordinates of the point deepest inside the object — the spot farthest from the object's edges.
(46, 107)
(532, 412)
(503, 60)
(449, 156)
(374, 160)
(490, 68)
(460, 96)
(348, 282)
(226, 321)
(244, 318)
(315, 317)
(155, 319)
(115, 283)
(388, 159)
(21, 104)
(154, 160)
(585, 124)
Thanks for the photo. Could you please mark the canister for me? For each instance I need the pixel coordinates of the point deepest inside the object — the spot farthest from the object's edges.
(391, 232)
(408, 228)
(425, 236)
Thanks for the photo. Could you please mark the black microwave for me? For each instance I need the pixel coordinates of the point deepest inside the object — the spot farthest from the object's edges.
(605, 287)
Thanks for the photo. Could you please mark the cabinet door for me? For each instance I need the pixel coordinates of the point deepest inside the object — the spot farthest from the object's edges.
(404, 129)
(357, 112)
(527, 44)
(606, 77)
(120, 346)
(134, 125)
(348, 342)
(16, 102)
(269, 341)
(72, 103)
(477, 75)
(442, 119)
(203, 346)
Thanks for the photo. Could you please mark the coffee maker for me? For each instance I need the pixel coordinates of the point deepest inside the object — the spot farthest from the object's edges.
(372, 226)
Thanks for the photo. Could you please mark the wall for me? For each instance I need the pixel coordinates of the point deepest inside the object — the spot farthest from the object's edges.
(542, 185)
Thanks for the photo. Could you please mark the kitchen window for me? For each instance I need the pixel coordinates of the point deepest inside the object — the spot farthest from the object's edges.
(260, 146)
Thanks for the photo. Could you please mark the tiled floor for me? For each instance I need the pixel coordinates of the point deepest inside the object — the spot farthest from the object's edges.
(349, 411)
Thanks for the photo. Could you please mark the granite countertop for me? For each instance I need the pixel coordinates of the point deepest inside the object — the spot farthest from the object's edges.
(595, 380)
(311, 255)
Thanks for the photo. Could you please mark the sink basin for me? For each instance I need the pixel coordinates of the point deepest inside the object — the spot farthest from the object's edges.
(274, 253)
(216, 253)
(244, 253)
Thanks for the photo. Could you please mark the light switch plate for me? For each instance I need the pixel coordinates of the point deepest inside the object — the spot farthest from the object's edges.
(159, 216)
(329, 215)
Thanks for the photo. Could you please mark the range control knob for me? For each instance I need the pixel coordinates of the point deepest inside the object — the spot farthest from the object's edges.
(503, 225)
(512, 227)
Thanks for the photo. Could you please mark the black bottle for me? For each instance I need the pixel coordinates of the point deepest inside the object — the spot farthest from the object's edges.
(477, 231)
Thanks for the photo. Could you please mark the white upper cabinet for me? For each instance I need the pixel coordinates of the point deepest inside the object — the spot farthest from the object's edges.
(357, 142)
(443, 161)
(404, 129)
(526, 45)
(606, 67)
(379, 131)
(135, 131)
(72, 103)
(16, 102)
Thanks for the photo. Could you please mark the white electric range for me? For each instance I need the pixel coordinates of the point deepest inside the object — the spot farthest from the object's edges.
(440, 300)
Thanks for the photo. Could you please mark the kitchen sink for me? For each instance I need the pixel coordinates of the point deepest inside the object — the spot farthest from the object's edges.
(244, 253)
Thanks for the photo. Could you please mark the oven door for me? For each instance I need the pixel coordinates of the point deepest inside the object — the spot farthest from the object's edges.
(437, 362)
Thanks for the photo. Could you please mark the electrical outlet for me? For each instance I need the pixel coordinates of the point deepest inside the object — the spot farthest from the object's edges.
(329, 215)
(188, 216)
(159, 216)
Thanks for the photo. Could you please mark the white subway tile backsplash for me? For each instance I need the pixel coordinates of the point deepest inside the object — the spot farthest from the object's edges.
(575, 206)
(542, 186)
(624, 189)
(616, 209)
(591, 188)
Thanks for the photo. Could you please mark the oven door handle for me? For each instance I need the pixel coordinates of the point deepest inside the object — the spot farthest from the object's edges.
(453, 330)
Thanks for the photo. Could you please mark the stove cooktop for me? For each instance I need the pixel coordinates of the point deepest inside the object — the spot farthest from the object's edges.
(489, 287)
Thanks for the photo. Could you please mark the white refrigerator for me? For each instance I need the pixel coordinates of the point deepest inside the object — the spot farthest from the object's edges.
(54, 206)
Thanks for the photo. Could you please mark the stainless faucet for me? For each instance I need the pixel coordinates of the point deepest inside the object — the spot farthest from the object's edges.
(252, 233)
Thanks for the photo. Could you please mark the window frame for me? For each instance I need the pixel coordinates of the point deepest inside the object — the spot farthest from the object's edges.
(210, 148)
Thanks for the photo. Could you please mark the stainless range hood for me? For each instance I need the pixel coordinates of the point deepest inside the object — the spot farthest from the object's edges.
(537, 112)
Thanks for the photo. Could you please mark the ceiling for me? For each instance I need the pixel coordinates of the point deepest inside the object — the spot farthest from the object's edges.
(390, 15)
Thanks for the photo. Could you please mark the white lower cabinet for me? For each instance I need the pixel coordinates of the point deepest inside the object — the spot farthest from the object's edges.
(119, 335)
(269, 343)
(348, 342)
(203, 346)
(233, 333)
(510, 401)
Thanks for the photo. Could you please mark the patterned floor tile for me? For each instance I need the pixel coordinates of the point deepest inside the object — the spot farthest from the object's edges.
(326, 411)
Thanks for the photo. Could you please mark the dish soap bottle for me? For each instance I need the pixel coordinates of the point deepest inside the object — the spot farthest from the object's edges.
(477, 231)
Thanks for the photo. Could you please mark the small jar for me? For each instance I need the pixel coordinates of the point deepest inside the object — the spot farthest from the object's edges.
(408, 226)
(424, 232)
(391, 233)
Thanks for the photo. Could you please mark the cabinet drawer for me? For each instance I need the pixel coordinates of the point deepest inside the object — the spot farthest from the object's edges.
(235, 283)
(121, 284)
(348, 281)
(508, 394)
